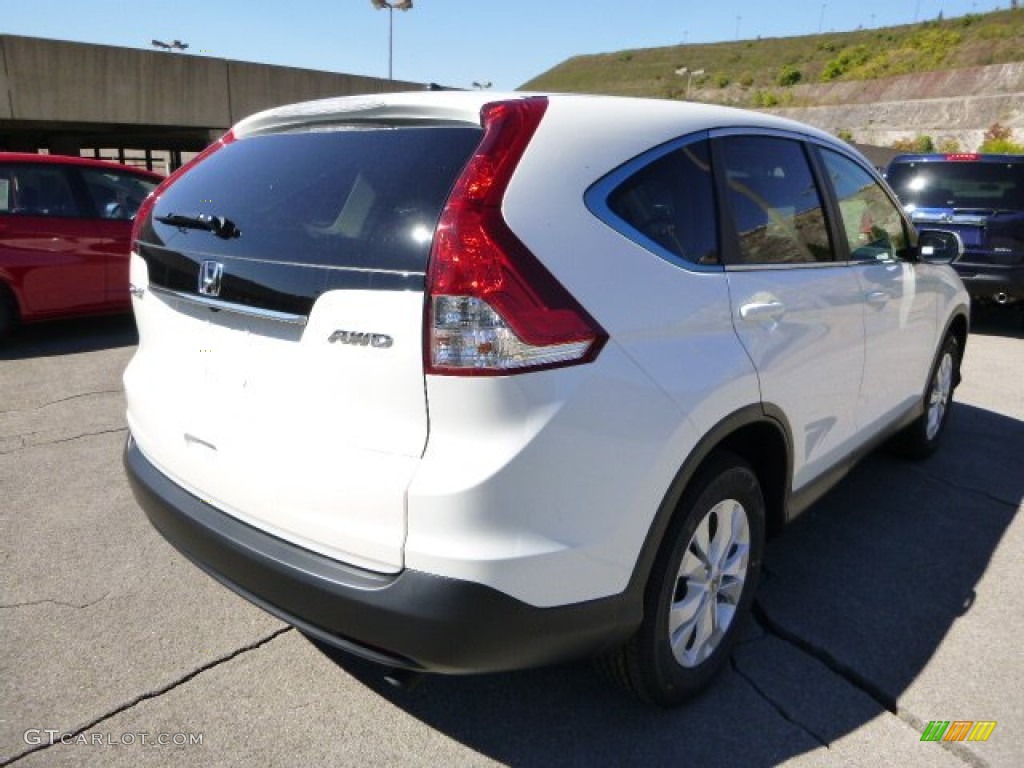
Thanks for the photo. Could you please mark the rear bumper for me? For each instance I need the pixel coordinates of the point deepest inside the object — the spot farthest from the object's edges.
(984, 281)
(412, 620)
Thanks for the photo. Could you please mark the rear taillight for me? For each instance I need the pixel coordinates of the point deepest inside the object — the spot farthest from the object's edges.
(493, 308)
(147, 205)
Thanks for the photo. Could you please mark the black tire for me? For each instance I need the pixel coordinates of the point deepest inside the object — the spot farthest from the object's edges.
(646, 664)
(919, 439)
(8, 312)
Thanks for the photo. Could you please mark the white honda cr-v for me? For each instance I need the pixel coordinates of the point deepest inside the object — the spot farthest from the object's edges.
(462, 382)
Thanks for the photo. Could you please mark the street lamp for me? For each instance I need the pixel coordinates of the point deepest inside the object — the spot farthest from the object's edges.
(821, 17)
(399, 5)
(174, 45)
(690, 74)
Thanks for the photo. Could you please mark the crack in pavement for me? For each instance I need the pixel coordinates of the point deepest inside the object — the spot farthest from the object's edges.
(774, 704)
(71, 735)
(51, 601)
(980, 491)
(64, 400)
(25, 445)
(858, 681)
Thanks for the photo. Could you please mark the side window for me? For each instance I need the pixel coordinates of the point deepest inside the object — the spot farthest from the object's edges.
(114, 194)
(671, 201)
(872, 224)
(775, 203)
(6, 188)
(37, 190)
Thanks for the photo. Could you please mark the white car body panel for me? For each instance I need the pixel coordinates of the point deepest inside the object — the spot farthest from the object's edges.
(313, 441)
(809, 357)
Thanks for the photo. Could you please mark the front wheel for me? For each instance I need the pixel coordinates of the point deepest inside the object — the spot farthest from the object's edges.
(920, 439)
(700, 589)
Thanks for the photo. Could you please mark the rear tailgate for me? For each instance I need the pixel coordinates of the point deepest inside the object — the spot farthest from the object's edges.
(279, 374)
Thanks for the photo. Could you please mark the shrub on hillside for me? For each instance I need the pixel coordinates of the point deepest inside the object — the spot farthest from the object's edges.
(845, 61)
(920, 143)
(789, 75)
(999, 141)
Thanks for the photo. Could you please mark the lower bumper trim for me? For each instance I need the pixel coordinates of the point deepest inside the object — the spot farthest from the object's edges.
(410, 620)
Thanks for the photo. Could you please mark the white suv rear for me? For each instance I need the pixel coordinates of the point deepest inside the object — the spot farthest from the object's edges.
(461, 383)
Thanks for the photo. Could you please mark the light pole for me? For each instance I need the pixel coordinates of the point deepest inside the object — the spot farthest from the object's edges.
(689, 78)
(400, 5)
(821, 17)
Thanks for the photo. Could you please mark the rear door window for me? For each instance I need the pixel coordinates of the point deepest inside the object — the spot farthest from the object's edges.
(774, 201)
(366, 198)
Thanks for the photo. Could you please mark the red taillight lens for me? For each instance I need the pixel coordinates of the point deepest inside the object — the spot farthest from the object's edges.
(147, 205)
(493, 307)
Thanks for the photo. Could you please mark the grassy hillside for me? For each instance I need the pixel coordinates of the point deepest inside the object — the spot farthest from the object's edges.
(759, 72)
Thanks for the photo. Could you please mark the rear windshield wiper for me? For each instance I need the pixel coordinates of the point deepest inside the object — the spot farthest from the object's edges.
(218, 225)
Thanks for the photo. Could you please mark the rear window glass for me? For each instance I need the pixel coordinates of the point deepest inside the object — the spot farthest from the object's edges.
(359, 198)
(672, 202)
(959, 184)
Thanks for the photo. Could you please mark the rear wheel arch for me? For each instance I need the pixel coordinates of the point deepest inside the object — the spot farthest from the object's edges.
(760, 435)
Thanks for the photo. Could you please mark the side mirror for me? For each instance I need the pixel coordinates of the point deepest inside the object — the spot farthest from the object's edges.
(937, 246)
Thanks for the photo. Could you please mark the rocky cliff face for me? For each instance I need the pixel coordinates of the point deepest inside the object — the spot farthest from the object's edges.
(957, 104)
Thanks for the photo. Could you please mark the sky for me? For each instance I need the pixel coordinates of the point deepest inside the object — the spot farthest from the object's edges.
(451, 42)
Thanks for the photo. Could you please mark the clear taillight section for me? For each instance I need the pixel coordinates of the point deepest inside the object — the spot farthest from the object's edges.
(493, 307)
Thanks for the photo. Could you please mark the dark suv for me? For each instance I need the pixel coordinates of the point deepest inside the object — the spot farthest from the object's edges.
(981, 198)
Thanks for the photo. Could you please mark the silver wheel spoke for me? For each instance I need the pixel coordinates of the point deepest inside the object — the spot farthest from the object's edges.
(705, 628)
(730, 590)
(724, 533)
(700, 544)
(683, 613)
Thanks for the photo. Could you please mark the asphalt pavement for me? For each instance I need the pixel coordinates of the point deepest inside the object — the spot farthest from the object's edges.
(893, 602)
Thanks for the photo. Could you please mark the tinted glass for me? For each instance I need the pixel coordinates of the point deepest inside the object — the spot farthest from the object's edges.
(36, 190)
(871, 222)
(959, 184)
(671, 201)
(774, 201)
(116, 194)
(364, 198)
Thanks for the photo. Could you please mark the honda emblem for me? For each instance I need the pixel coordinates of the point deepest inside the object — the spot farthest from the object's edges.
(210, 274)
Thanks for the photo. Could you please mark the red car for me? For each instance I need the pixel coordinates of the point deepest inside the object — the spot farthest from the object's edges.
(65, 231)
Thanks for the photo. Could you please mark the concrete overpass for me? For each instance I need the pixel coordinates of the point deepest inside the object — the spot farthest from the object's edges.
(67, 98)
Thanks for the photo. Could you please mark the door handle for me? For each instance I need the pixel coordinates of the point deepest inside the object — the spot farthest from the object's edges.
(877, 297)
(758, 309)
